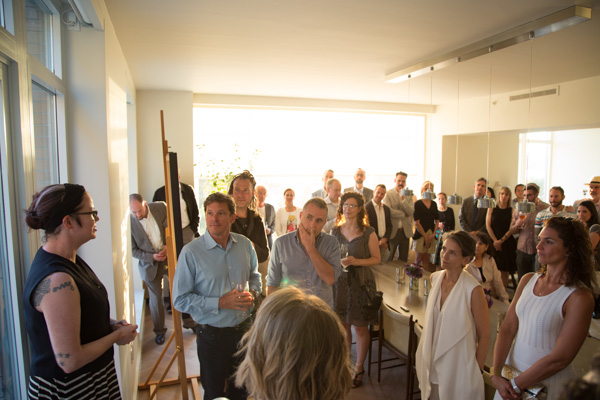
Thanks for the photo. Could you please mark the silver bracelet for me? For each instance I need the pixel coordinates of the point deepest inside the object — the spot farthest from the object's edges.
(514, 386)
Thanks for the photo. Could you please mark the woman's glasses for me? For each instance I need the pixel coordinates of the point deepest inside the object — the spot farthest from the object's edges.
(92, 213)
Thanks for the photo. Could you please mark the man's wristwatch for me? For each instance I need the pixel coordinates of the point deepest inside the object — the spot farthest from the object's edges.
(514, 386)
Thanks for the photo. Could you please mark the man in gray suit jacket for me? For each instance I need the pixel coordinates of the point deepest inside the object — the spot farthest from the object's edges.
(322, 193)
(359, 178)
(148, 224)
(402, 210)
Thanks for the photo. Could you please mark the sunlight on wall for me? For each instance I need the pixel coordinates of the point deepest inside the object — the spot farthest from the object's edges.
(295, 147)
(127, 311)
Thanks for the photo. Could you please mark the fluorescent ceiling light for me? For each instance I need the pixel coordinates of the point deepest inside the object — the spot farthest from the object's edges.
(542, 26)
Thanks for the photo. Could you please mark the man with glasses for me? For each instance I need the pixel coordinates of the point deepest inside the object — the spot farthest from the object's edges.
(148, 224)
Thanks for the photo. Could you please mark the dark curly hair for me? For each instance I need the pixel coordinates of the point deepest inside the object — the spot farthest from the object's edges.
(244, 175)
(363, 220)
(580, 264)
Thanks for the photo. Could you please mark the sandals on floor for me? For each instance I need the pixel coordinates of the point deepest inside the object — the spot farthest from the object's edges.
(355, 381)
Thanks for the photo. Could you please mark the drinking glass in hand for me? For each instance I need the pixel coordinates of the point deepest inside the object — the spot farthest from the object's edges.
(344, 254)
(242, 287)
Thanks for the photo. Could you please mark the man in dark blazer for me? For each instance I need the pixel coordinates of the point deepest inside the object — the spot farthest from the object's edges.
(148, 224)
(191, 218)
(471, 218)
(374, 209)
(359, 178)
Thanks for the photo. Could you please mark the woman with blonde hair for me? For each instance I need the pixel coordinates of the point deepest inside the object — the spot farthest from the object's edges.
(295, 350)
(497, 222)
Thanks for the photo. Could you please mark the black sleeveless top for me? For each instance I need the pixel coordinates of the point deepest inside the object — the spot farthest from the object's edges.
(95, 319)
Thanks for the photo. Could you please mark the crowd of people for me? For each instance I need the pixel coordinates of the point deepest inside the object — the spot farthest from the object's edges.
(297, 345)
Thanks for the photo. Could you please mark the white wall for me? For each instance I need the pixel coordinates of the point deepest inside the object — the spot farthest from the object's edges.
(178, 114)
(473, 156)
(575, 161)
(98, 81)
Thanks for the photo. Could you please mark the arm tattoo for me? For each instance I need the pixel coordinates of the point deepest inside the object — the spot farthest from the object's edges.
(62, 286)
(59, 356)
(42, 289)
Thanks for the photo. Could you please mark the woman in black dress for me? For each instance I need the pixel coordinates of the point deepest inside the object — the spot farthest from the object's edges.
(498, 226)
(353, 232)
(426, 223)
(66, 306)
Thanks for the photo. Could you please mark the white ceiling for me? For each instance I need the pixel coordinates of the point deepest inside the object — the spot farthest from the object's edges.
(342, 49)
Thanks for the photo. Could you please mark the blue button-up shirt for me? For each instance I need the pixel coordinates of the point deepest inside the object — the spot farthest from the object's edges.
(206, 271)
(290, 265)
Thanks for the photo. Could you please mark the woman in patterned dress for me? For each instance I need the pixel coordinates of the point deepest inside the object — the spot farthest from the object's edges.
(354, 232)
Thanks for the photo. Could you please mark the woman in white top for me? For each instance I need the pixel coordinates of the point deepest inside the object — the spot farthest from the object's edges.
(456, 330)
(288, 217)
(550, 314)
(483, 267)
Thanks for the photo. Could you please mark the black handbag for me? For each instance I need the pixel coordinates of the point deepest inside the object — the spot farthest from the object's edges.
(370, 298)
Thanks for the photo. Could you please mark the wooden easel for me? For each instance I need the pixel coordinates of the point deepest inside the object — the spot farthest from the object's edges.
(174, 242)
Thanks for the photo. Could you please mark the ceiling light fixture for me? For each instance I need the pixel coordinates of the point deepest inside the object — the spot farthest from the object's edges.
(539, 27)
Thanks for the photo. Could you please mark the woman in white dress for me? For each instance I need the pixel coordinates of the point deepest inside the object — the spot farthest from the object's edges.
(483, 267)
(288, 217)
(456, 330)
(550, 314)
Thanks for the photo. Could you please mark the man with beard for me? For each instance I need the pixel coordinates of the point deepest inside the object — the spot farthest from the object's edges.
(359, 179)
(556, 209)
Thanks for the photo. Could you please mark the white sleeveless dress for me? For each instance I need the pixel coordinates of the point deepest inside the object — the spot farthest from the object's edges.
(540, 321)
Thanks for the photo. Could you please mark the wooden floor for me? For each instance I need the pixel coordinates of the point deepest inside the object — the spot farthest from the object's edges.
(392, 380)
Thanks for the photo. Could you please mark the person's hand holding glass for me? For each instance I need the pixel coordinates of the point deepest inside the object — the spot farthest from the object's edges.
(244, 295)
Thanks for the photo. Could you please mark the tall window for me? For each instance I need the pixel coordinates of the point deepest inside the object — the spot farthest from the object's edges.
(45, 134)
(6, 16)
(292, 148)
(43, 30)
(535, 156)
(9, 348)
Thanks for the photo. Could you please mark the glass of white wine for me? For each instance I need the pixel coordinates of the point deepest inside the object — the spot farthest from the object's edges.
(242, 287)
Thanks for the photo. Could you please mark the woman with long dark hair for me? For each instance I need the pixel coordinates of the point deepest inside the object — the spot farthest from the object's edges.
(353, 231)
(66, 306)
(483, 267)
(549, 317)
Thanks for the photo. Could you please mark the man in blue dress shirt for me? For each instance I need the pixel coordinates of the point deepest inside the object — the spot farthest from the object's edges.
(307, 258)
(208, 272)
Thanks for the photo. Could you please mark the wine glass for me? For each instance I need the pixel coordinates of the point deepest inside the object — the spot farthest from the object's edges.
(343, 254)
(242, 287)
